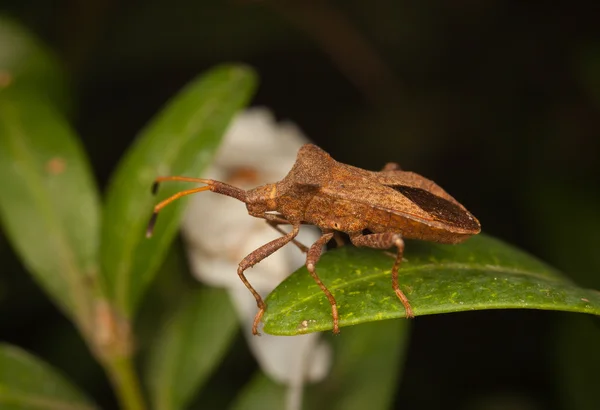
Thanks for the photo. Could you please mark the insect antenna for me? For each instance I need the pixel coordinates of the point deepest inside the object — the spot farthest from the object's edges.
(211, 185)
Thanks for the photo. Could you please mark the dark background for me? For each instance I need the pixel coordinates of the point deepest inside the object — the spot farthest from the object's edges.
(497, 101)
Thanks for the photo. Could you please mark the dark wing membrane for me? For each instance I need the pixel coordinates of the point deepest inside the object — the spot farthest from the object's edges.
(414, 203)
(439, 208)
(376, 196)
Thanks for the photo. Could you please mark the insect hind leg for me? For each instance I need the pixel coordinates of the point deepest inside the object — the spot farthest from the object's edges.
(387, 240)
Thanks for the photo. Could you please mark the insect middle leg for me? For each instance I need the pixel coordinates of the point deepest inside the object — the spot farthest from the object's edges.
(257, 256)
(314, 254)
(339, 239)
(384, 241)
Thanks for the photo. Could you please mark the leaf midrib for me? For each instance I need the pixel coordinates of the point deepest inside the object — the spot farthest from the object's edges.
(70, 274)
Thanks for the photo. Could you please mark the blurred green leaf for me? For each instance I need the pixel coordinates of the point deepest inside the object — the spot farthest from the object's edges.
(552, 232)
(49, 205)
(25, 63)
(189, 347)
(364, 375)
(578, 362)
(577, 339)
(179, 141)
(482, 273)
(27, 383)
(261, 393)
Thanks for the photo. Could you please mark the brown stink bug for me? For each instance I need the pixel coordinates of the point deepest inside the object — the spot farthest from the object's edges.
(376, 210)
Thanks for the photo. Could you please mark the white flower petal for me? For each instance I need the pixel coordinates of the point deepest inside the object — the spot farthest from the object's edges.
(220, 233)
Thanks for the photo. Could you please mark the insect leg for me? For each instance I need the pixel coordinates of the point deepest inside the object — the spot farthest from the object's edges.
(275, 220)
(339, 239)
(391, 166)
(384, 241)
(257, 256)
(278, 219)
(314, 254)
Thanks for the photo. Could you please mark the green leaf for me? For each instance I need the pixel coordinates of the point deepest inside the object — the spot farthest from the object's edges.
(26, 63)
(577, 359)
(261, 393)
(179, 141)
(27, 383)
(364, 375)
(189, 347)
(546, 200)
(482, 273)
(576, 339)
(49, 205)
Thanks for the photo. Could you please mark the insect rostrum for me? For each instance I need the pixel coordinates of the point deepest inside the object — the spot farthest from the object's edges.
(390, 205)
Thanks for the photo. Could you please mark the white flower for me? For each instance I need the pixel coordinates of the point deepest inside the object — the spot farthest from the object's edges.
(219, 233)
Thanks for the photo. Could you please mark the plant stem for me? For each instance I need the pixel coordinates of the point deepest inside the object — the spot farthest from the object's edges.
(112, 343)
(125, 382)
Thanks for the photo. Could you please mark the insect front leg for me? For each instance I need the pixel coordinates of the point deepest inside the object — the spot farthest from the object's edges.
(274, 220)
(384, 241)
(314, 254)
(257, 256)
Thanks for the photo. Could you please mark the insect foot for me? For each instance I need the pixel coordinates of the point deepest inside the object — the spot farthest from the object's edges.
(377, 209)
